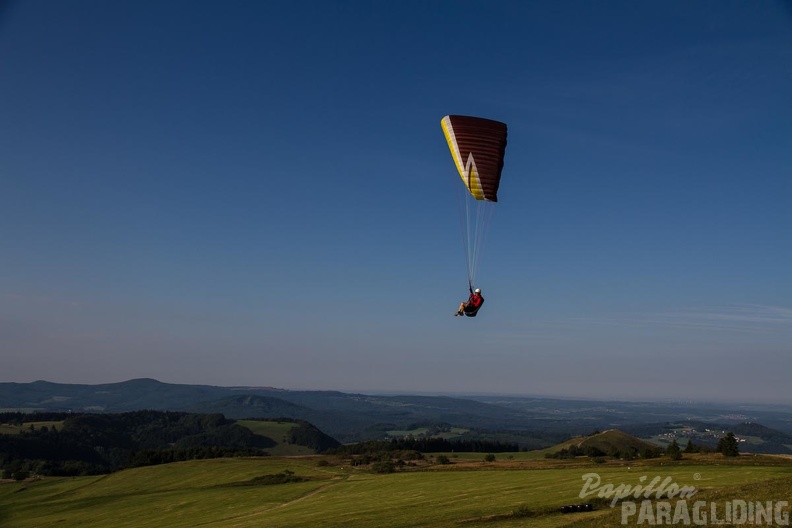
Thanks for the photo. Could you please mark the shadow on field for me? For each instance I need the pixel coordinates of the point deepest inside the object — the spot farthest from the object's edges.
(5, 515)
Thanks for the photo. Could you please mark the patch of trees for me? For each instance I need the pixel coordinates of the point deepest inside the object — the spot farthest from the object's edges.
(386, 461)
(595, 452)
(18, 418)
(727, 445)
(526, 440)
(696, 448)
(90, 444)
(673, 451)
(539, 437)
(154, 457)
(425, 445)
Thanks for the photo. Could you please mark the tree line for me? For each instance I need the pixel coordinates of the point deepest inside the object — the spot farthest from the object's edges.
(90, 444)
(728, 446)
(426, 445)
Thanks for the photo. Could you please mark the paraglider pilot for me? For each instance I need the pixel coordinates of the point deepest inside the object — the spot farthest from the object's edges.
(471, 307)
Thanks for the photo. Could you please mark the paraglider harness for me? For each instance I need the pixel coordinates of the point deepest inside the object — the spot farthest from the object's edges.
(471, 310)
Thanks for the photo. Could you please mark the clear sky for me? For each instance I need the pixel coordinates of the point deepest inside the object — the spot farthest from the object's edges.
(260, 193)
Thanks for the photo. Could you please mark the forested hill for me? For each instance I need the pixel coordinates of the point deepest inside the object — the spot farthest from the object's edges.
(99, 443)
(533, 422)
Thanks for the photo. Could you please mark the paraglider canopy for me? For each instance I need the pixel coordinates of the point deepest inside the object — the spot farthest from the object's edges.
(477, 146)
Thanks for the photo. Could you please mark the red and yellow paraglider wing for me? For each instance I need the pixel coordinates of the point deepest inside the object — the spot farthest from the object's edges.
(477, 146)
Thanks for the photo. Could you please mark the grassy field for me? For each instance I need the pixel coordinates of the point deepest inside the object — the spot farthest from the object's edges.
(276, 431)
(16, 429)
(468, 493)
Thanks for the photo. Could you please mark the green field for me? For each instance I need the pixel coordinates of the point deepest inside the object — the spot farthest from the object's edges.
(16, 429)
(468, 493)
(277, 431)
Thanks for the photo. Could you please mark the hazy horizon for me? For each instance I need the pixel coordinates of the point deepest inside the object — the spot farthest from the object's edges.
(458, 394)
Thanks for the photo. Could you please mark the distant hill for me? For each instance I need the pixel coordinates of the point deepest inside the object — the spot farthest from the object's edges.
(607, 443)
(252, 406)
(347, 417)
(614, 441)
(125, 396)
(757, 438)
(350, 417)
(752, 437)
(765, 433)
(292, 437)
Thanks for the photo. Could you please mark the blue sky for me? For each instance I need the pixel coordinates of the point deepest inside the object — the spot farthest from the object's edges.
(259, 193)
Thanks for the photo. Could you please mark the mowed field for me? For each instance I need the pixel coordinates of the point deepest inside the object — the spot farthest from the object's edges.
(16, 429)
(468, 493)
(277, 431)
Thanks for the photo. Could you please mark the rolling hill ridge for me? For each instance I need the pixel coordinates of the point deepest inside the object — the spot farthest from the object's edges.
(534, 422)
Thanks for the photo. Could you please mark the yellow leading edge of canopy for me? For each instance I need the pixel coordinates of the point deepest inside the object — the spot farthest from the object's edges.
(468, 173)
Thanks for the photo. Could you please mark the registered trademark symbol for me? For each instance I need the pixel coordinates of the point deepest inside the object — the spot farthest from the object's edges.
(697, 476)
